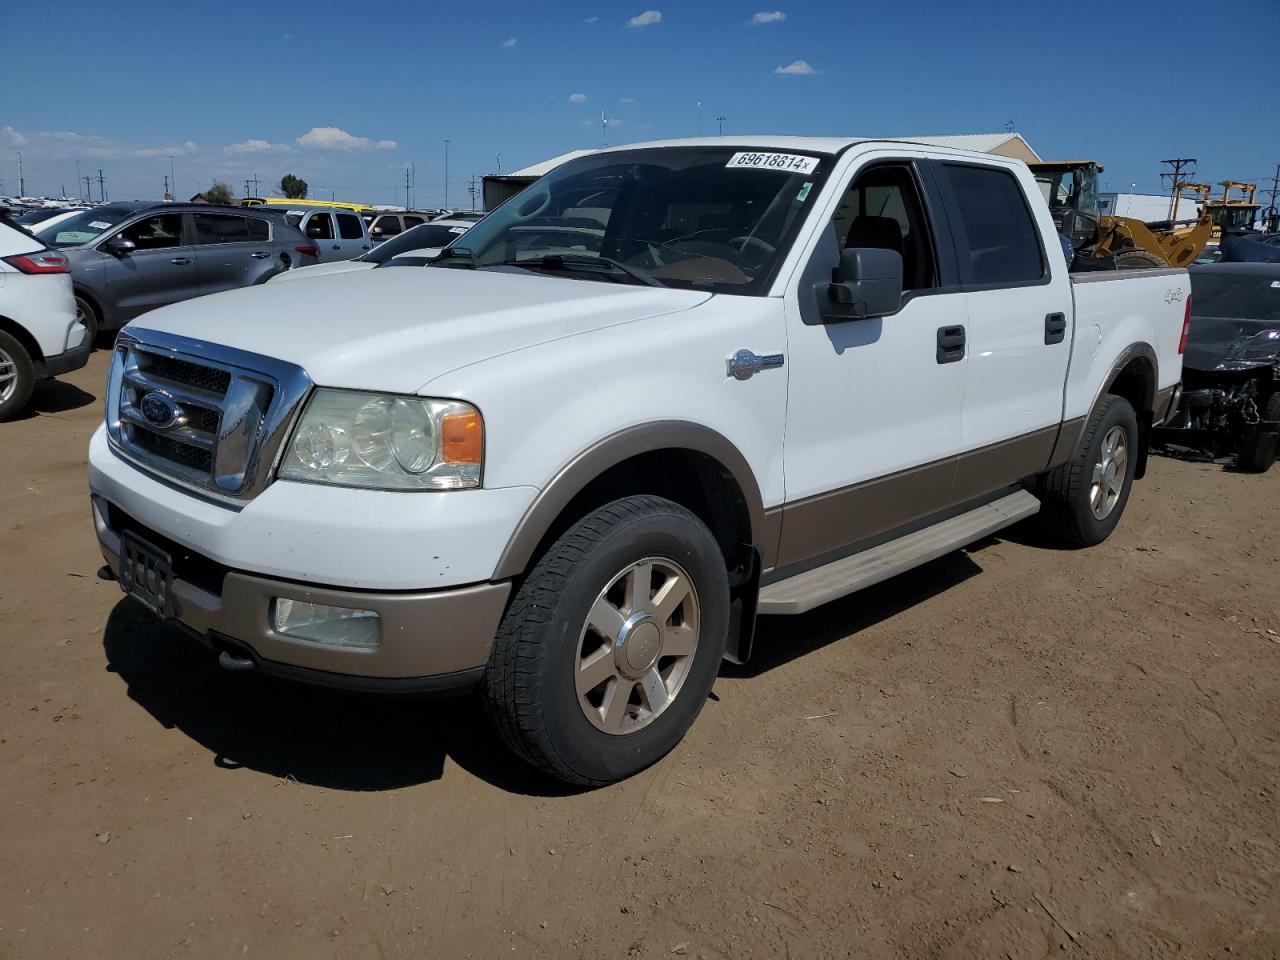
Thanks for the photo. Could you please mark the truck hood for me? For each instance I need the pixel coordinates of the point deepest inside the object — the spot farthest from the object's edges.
(395, 330)
(321, 270)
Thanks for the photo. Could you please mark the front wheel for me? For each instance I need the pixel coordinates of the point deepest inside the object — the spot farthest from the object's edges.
(1082, 499)
(88, 316)
(612, 643)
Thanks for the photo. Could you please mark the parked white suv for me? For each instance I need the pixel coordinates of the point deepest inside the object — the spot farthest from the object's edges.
(39, 334)
(664, 389)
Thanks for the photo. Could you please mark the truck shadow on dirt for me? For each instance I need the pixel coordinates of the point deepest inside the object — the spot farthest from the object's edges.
(327, 738)
(55, 396)
(347, 741)
(779, 640)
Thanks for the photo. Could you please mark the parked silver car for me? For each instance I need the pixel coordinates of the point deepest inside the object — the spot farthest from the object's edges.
(128, 258)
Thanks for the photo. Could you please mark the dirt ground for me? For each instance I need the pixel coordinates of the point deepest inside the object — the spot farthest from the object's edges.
(1014, 752)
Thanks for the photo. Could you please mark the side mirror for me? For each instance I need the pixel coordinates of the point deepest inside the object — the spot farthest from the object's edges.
(867, 283)
(120, 246)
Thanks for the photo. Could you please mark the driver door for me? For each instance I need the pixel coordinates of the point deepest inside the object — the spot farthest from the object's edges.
(161, 269)
(874, 406)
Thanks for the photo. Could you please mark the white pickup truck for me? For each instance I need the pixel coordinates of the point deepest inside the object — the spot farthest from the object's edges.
(665, 389)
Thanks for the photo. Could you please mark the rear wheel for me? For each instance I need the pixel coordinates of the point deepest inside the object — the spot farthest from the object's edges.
(1082, 500)
(612, 643)
(1259, 456)
(17, 376)
(1135, 259)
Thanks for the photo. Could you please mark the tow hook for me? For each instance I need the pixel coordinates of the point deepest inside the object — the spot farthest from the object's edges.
(229, 661)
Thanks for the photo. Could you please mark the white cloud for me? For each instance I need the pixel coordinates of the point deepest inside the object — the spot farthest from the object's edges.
(248, 147)
(577, 98)
(646, 19)
(795, 68)
(508, 43)
(626, 99)
(334, 138)
(768, 16)
(591, 20)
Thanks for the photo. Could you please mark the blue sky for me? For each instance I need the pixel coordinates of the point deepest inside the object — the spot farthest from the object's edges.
(344, 95)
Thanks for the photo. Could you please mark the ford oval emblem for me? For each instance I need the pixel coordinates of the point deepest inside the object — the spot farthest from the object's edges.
(160, 410)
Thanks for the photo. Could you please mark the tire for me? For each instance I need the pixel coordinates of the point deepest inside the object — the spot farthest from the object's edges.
(1260, 458)
(17, 377)
(1073, 512)
(1135, 259)
(87, 314)
(538, 696)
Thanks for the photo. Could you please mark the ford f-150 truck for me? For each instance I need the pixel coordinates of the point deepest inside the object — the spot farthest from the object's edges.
(667, 388)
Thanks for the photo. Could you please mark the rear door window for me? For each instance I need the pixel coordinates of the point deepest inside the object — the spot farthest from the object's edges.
(214, 228)
(349, 226)
(1004, 243)
(320, 227)
(156, 233)
(258, 229)
(413, 222)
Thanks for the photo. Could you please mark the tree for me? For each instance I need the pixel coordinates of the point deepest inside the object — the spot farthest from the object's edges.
(293, 187)
(219, 193)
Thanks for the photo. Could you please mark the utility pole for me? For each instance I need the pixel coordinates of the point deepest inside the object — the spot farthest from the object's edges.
(446, 174)
(22, 183)
(604, 130)
(88, 188)
(499, 158)
(699, 118)
(167, 195)
(102, 186)
(472, 190)
(247, 181)
(78, 177)
(413, 181)
(1272, 215)
(406, 187)
(720, 120)
(1176, 179)
(173, 181)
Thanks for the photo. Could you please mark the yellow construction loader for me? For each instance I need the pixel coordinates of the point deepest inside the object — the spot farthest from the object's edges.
(1228, 212)
(1071, 189)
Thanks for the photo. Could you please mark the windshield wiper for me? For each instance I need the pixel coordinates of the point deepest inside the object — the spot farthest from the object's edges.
(568, 261)
(452, 253)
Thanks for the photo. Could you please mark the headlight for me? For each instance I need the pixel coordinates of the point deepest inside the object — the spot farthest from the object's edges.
(355, 439)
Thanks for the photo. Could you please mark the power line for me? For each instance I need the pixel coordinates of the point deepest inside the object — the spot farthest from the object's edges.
(1176, 179)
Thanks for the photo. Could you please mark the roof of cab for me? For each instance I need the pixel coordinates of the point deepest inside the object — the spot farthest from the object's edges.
(828, 145)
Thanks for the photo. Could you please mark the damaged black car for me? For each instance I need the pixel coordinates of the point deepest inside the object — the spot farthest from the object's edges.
(1230, 405)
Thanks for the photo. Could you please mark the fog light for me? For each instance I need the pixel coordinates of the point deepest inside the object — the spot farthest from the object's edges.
(337, 626)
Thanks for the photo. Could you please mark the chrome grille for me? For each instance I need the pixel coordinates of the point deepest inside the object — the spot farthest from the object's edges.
(208, 416)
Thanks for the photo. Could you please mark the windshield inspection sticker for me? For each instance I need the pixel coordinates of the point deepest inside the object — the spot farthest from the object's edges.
(804, 192)
(786, 162)
(457, 229)
(99, 225)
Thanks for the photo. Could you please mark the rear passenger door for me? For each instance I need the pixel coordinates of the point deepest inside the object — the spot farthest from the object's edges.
(874, 405)
(351, 235)
(1019, 329)
(232, 250)
(384, 227)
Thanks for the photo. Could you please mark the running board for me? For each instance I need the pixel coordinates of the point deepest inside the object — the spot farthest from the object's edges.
(804, 591)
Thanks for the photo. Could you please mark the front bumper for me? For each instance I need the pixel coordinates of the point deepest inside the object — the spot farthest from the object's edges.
(433, 640)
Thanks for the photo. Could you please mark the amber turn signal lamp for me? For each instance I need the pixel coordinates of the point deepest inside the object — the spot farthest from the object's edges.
(462, 437)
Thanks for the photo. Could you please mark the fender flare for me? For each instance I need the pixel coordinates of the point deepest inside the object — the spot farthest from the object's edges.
(608, 452)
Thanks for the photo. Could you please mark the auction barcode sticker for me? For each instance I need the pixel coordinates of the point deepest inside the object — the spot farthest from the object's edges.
(786, 162)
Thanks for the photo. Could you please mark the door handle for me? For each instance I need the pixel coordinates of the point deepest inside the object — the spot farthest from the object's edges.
(337, 246)
(950, 344)
(259, 255)
(1055, 328)
(180, 260)
(744, 364)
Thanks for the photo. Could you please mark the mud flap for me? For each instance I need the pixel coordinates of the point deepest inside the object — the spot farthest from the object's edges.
(744, 596)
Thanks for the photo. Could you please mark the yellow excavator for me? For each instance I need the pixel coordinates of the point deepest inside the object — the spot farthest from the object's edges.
(1071, 189)
(1228, 212)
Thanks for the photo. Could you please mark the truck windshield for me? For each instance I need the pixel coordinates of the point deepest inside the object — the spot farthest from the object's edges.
(712, 218)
